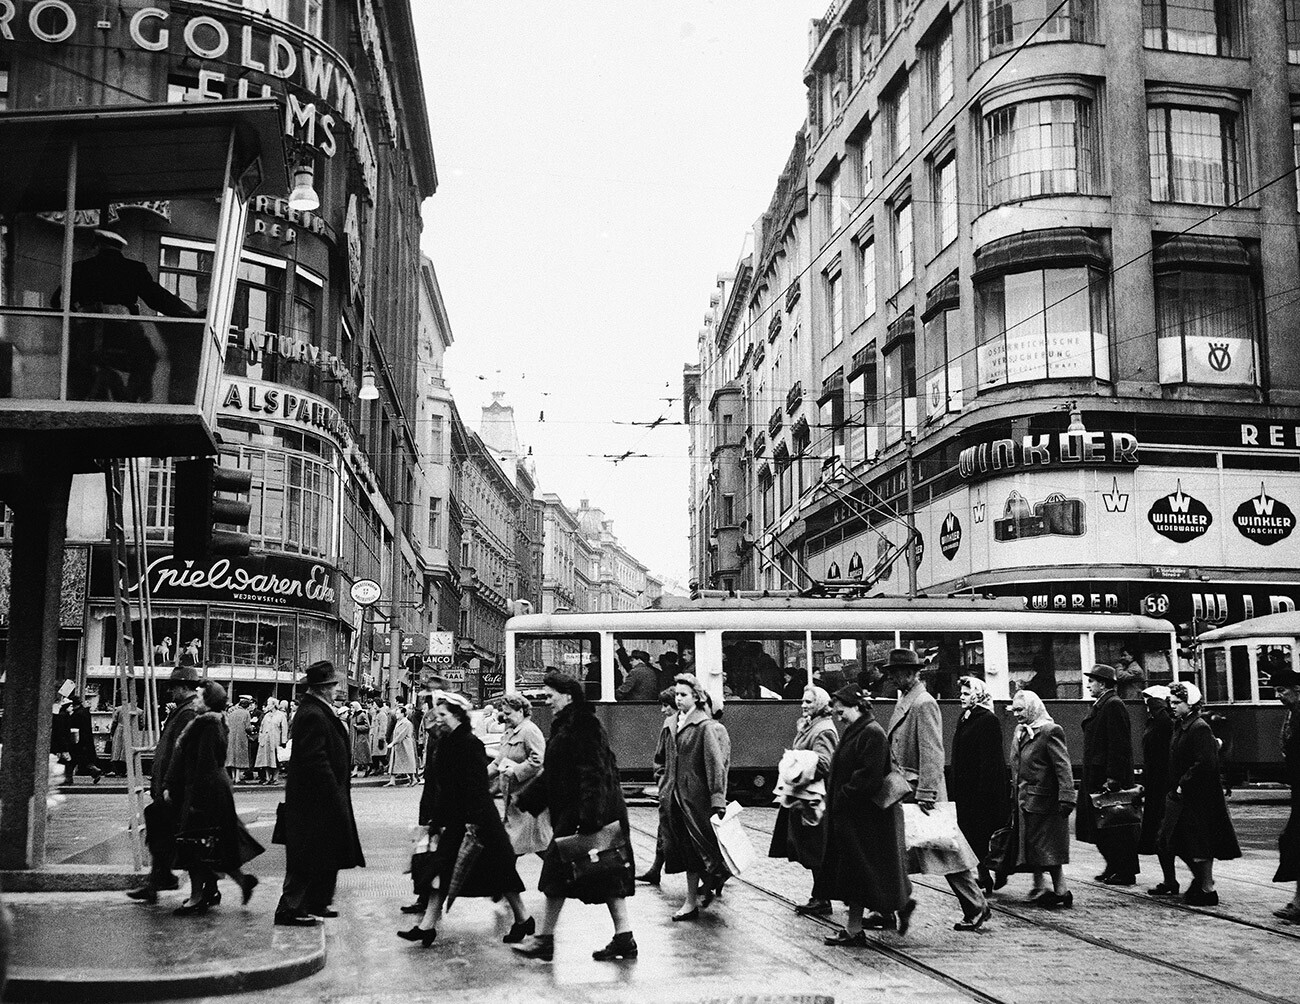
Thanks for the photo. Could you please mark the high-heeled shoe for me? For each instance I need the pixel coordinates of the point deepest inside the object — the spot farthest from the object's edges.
(193, 909)
(420, 934)
(519, 930)
(247, 886)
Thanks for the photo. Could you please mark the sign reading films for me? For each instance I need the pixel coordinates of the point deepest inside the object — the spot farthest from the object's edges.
(1179, 516)
(1264, 519)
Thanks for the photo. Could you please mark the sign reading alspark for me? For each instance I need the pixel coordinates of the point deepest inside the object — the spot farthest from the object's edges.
(1063, 449)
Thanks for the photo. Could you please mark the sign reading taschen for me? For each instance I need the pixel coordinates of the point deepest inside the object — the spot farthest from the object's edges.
(1264, 519)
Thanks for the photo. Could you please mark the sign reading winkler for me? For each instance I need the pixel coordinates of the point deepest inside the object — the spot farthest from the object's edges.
(268, 580)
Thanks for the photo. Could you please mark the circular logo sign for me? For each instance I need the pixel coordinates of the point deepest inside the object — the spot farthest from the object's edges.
(950, 536)
(365, 592)
(855, 566)
(1179, 516)
(1264, 519)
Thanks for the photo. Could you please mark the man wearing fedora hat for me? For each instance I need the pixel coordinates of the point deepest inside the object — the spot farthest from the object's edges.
(1286, 683)
(916, 741)
(320, 830)
(160, 815)
(1107, 764)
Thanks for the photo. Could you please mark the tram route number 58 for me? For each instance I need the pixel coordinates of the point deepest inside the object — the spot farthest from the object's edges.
(1155, 604)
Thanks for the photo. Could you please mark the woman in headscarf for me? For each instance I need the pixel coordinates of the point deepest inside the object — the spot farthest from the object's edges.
(402, 749)
(1045, 797)
(456, 797)
(800, 832)
(1197, 827)
(519, 760)
(979, 772)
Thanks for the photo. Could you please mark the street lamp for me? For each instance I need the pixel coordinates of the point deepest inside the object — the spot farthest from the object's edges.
(369, 389)
(303, 197)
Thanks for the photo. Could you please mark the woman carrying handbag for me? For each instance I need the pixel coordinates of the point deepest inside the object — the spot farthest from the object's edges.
(518, 762)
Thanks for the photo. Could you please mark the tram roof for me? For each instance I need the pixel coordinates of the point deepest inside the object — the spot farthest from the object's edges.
(1284, 624)
(871, 613)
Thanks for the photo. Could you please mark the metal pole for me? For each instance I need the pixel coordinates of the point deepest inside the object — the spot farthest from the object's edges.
(911, 520)
(394, 604)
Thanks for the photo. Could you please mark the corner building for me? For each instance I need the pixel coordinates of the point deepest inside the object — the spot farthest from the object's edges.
(1007, 216)
(327, 300)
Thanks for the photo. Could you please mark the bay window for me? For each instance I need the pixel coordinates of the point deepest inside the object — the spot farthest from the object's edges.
(942, 350)
(1193, 154)
(862, 419)
(900, 379)
(1040, 147)
(1006, 24)
(1207, 27)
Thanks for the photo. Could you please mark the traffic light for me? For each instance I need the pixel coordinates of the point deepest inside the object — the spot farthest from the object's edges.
(1186, 634)
(200, 509)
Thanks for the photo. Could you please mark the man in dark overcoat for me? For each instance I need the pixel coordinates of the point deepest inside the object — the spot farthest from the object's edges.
(83, 751)
(1155, 779)
(160, 816)
(1107, 763)
(1287, 684)
(320, 831)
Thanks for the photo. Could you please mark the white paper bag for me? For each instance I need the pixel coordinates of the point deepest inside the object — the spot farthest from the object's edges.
(935, 845)
(737, 850)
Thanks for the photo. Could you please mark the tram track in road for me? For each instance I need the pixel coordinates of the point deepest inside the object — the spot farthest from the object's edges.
(1043, 923)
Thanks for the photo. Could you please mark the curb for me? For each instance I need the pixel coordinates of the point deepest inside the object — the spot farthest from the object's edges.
(39, 983)
(72, 878)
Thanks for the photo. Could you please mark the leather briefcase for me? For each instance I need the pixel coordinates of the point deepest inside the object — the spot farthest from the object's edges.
(591, 855)
(1119, 807)
(1063, 516)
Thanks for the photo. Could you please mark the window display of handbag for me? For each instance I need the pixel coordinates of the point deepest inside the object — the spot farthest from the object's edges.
(590, 855)
(1120, 807)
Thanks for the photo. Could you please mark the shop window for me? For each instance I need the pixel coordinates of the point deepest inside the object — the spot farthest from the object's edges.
(1007, 24)
(756, 665)
(1043, 324)
(947, 656)
(1207, 27)
(1194, 155)
(1050, 665)
(1042, 147)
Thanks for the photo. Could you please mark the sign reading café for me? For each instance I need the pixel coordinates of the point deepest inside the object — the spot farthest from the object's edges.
(237, 55)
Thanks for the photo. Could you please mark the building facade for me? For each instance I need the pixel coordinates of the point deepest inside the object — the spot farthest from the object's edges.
(1042, 293)
(327, 301)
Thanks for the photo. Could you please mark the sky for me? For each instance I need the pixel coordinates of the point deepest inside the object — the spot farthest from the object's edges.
(599, 163)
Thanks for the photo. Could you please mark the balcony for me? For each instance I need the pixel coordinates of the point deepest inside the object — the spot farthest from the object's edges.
(794, 397)
(774, 423)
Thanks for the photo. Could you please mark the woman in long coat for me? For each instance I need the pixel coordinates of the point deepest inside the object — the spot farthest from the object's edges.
(693, 790)
(272, 733)
(402, 749)
(237, 758)
(518, 761)
(865, 864)
(793, 836)
(456, 797)
(580, 788)
(210, 837)
(1197, 827)
(380, 716)
(1156, 737)
(979, 772)
(1045, 797)
(360, 739)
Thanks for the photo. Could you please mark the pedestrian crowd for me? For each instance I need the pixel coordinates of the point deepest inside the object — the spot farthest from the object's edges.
(864, 804)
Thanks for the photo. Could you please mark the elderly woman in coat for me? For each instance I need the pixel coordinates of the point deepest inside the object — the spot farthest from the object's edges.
(865, 863)
(1045, 797)
(580, 788)
(359, 727)
(979, 772)
(456, 797)
(793, 836)
(210, 837)
(692, 791)
(401, 749)
(518, 761)
(1197, 827)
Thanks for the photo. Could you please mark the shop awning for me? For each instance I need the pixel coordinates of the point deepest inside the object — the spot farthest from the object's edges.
(131, 152)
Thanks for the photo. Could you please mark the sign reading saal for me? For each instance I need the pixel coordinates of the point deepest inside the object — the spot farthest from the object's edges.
(271, 580)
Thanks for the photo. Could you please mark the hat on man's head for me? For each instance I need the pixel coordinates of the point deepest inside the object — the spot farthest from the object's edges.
(902, 658)
(640, 653)
(184, 674)
(109, 235)
(1284, 678)
(245, 698)
(319, 674)
(1101, 672)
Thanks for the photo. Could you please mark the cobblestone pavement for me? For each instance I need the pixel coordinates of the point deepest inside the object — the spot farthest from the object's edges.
(1114, 945)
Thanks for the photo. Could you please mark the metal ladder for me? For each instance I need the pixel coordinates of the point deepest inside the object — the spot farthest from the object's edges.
(135, 744)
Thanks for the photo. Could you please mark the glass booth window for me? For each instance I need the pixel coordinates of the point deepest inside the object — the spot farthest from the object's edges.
(948, 656)
(1050, 665)
(841, 658)
(756, 665)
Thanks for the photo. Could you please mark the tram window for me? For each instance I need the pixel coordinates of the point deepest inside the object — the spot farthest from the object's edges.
(664, 657)
(755, 664)
(1268, 660)
(1149, 653)
(1216, 675)
(839, 659)
(1240, 664)
(948, 656)
(1048, 664)
(577, 655)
